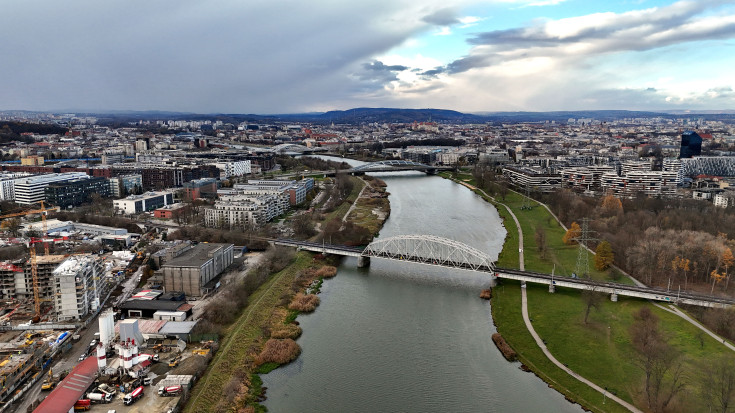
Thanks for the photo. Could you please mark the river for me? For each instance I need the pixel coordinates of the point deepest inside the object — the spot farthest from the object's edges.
(405, 337)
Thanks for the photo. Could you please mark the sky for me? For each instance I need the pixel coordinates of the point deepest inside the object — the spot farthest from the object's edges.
(292, 56)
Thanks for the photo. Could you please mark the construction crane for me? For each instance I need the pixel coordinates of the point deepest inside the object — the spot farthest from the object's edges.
(43, 210)
(34, 277)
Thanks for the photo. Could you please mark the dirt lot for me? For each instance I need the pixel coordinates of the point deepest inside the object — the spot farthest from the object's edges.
(150, 403)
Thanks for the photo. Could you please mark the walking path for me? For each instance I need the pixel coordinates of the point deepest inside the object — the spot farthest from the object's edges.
(344, 218)
(529, 326)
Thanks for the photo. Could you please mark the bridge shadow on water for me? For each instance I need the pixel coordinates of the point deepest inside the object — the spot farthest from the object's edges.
(411, 272)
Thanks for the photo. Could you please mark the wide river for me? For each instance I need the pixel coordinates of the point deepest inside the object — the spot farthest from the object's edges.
(405, 337)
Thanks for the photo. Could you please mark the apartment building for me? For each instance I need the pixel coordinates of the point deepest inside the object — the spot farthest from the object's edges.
(650, 183)
(7, 185)
(124, 185)
(77, 281)
(76, 192)
(533, 178)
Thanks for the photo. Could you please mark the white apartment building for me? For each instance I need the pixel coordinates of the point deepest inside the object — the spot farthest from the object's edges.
(30, 190)
(236, 168)
(650, 183)
(7, 185)
(125, 184)
(229, 214)
(76, 281)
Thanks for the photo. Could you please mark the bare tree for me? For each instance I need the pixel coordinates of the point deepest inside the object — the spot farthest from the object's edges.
(718, 384)
(592, 299)
(657, 359)
(541, 244)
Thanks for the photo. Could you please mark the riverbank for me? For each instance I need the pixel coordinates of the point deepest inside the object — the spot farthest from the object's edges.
(263, 336)
(598, 349)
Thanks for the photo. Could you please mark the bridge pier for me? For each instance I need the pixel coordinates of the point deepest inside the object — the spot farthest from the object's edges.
(363, 262)
(552, 288)
(614, 297)
(493, 281)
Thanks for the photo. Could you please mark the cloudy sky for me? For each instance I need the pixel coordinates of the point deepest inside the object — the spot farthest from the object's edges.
(286, 56)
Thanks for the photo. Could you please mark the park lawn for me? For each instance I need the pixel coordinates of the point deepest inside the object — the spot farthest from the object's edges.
(242, 337)
(363, 215)
(506, 309)
(601, 350)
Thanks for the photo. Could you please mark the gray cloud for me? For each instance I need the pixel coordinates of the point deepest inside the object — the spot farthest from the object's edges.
(442, 17)
(379, 73)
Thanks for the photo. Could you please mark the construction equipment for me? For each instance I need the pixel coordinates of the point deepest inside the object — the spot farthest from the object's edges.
(43, 210)
(49, 382)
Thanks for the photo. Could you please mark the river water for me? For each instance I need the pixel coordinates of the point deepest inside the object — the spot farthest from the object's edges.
(405, 337)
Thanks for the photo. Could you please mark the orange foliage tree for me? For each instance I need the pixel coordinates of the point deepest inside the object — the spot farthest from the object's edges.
(572, 234)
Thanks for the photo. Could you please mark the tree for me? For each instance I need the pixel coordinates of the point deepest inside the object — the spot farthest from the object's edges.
(604, 256)
(611, 205)
(718, 384)
(540, 237)
(727, 260)
(657, 359)
(574, 231)
(716, 278)
(592, 299)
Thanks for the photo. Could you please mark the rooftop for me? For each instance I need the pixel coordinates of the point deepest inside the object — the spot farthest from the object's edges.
(71, 389)
(196, 256)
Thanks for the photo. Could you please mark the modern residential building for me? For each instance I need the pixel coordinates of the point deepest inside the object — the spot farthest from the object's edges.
(7, 184)
(16, 281)
(135, 204)
(651, 183)
(533, 178)
(76, 192)
(189, 268)
(125, 185)
(234, 168)
(234, 214)
(76, 281)
(32, 189)
(708, 165)
(585, 177)
(32, 160)
(113, 157)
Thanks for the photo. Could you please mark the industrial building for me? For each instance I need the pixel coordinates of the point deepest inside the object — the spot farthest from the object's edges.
(189, 268)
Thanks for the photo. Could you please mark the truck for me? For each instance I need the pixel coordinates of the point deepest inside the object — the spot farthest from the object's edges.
(133, 396)
(169, 391)
(106, 389)
(100, 397)
(83, 404)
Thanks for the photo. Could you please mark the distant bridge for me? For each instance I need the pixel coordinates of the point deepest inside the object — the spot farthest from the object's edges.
(397, 165)
(443, 252)
(293, 148)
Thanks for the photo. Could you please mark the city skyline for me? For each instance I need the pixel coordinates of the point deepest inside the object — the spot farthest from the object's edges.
(287, 57)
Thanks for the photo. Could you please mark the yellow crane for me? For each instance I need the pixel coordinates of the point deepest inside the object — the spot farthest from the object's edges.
(34, 261)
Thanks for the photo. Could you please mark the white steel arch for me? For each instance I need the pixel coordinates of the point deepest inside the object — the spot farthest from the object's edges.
(288, 147)
(430, 249)
(391, 163)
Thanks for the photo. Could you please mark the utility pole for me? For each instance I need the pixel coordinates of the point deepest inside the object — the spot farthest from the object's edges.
(583, 261)
(527, 199)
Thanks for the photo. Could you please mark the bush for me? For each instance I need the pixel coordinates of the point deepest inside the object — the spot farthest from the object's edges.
(326, 271)
(291, 331)
(279, 351)
(304, 303)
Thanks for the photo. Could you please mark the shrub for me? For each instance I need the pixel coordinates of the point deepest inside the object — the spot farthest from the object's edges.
(304, 303)
(291, 331)
(326, 271)
(279, 351)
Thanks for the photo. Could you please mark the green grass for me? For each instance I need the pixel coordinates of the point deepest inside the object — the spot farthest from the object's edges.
(266, 368)
(600, 350)
(244, 334)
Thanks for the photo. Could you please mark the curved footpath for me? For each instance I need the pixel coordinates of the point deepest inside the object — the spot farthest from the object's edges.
(671, 308)
(527, 320)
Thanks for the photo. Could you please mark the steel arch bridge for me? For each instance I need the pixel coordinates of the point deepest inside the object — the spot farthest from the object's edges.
(397, 164)
(430, 249)
(289, 147)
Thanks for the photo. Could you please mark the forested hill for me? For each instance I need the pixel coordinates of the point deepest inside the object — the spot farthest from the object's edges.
(11, 131)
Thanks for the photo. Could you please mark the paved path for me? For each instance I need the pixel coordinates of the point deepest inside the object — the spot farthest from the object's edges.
(536, 337)
(344, 218)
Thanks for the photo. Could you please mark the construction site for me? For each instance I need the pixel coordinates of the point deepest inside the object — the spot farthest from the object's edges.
(49, 292)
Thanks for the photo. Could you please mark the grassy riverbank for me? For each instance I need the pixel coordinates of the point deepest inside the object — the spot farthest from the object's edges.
(242, 342)
(599, 350)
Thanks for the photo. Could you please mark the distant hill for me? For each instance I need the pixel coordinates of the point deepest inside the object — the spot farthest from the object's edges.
(395, 115)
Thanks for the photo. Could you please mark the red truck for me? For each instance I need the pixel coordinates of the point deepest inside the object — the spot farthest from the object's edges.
(169, 391)
(83, 404)
(133, 396)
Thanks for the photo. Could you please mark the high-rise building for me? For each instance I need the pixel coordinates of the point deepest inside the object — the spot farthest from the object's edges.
(76, 191)
(691, 144)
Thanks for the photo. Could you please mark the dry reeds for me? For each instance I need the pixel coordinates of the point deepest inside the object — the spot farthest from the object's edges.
(279, 351)
(486, 294)
(326, 271)
(304, 303)
(504, 347)
(291, 331)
